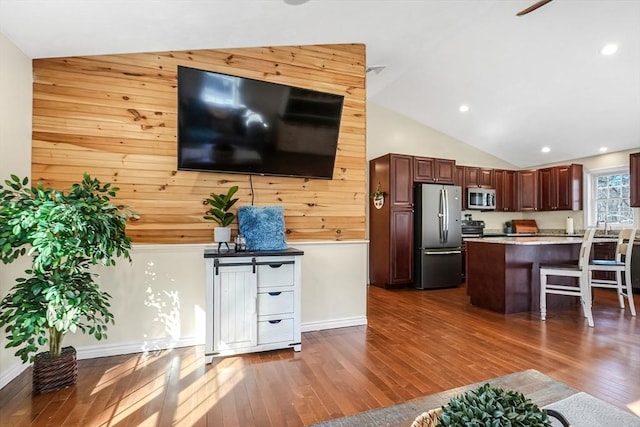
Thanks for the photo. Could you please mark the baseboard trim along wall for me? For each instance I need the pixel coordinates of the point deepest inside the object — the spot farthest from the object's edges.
(333, 324)
(105, 350)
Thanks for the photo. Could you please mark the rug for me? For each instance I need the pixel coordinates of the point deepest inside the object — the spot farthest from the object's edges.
(541, 389)
(584, 410)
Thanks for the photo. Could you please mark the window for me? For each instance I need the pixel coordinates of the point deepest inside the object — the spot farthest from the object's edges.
(610, 195)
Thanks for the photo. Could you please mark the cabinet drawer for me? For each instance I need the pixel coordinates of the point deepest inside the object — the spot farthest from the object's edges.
(270, 331)
(275, 303)
(275, 274)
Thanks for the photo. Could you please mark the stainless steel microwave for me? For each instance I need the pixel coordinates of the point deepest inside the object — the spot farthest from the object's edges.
(481, 198)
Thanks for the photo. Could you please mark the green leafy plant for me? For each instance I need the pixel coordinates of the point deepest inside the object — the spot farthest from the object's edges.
(220, 206)
(492, 407)
(64, 234)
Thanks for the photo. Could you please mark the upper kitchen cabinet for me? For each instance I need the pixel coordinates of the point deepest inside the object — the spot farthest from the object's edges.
(505, 184)
(527, 190)
(478, 177)
(401, 181)
(634, 176)
(428, 169)
(560, 188)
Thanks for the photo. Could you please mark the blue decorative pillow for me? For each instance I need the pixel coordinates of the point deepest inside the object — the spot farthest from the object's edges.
(262, 227)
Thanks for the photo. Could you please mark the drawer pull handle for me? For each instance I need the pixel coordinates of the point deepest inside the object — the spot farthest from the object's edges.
(274, 322)
(274, 294)
(275, 265)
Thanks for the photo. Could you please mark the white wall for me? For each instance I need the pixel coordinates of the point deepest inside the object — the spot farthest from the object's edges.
(390, 132)
(15, 157)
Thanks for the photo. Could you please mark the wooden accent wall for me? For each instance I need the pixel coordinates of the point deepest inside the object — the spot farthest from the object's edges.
(114, 116)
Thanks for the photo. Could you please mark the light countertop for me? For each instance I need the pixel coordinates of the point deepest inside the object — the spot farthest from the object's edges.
(529, 240)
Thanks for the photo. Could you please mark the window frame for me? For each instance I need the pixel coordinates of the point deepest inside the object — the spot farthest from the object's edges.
(590, 211)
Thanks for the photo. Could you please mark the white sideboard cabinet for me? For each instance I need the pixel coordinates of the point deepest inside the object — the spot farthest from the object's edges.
(253, 301)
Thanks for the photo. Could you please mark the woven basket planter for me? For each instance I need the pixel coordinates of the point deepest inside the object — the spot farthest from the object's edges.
(53, 374)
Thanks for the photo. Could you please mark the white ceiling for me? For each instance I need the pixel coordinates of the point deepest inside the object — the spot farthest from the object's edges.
(532, 81)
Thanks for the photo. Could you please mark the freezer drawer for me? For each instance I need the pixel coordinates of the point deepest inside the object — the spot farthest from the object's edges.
(439, 268)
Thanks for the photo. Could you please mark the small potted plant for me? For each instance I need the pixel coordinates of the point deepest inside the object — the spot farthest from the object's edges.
(64, 234)
(489, 406)
(219, 211)
(378, 197)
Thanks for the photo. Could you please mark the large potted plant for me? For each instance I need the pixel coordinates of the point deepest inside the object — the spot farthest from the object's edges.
(65, 234)
(219, 211)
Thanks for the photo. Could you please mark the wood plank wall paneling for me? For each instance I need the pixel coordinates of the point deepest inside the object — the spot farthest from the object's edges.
(115, 117)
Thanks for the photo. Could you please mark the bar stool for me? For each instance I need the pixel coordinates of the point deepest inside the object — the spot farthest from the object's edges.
(580, 270)
(621, 264)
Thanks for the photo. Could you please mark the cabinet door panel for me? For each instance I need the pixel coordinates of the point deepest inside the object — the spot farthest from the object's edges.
(564, 193)
(401, 246)
(401, 178)
(445, 171)
(547, 189)
(424, 169)
(527, 185)
(505, 181)
(235, 315)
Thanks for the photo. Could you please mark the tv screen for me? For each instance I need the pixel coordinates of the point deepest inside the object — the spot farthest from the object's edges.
(239, 125)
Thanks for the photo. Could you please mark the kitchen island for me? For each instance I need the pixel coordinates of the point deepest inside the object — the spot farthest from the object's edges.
(503, 273)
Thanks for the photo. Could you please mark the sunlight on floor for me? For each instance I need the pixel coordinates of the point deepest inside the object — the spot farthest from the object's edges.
(146, 402)
(212, 387)
(634, 407)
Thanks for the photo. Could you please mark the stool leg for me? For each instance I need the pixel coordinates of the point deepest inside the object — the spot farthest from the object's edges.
(620, 289)
(543, 295)
(629, 289)
(585, 299)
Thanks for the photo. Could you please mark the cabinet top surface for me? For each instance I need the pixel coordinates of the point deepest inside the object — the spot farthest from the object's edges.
(214, 253)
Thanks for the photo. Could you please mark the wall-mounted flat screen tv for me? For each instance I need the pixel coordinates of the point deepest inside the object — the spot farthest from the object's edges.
(239, 125)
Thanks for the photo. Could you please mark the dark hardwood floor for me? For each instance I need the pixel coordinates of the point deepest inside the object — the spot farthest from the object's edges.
(416, 343)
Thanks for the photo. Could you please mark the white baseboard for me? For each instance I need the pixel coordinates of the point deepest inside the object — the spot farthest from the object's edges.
(333, 324)
(7, 375)
(104, 350)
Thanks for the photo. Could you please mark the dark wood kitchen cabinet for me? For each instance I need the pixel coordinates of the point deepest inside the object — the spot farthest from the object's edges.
(391, 226)
(432, 170)
(505, 184)
(527, 190)
(478, 177)
(634, 177)
(560, 188)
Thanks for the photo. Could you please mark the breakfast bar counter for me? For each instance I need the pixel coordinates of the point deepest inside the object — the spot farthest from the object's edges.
(503, 272)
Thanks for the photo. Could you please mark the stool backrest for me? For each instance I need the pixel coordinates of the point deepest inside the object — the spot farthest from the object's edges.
(624, 247)
(585, 248)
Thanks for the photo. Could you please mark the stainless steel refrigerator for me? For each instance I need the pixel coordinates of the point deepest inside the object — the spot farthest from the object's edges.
(438, 240)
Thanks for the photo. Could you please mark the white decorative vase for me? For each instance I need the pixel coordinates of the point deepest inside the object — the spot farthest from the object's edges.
(222, 234)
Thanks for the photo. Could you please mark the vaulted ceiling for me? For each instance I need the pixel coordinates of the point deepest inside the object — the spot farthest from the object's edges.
(529, 82)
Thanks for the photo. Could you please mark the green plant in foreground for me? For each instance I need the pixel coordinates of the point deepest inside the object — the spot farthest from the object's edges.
(220, 206)
(490, 406)
(65, 234)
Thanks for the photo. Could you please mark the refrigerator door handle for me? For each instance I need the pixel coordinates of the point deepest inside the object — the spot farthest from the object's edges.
(442, 252)
(445, 200)
(441, 216)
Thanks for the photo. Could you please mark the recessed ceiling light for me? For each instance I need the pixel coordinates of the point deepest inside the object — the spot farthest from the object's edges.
(603, 149)
(609, 49)
(464, 108)
(545, 149)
